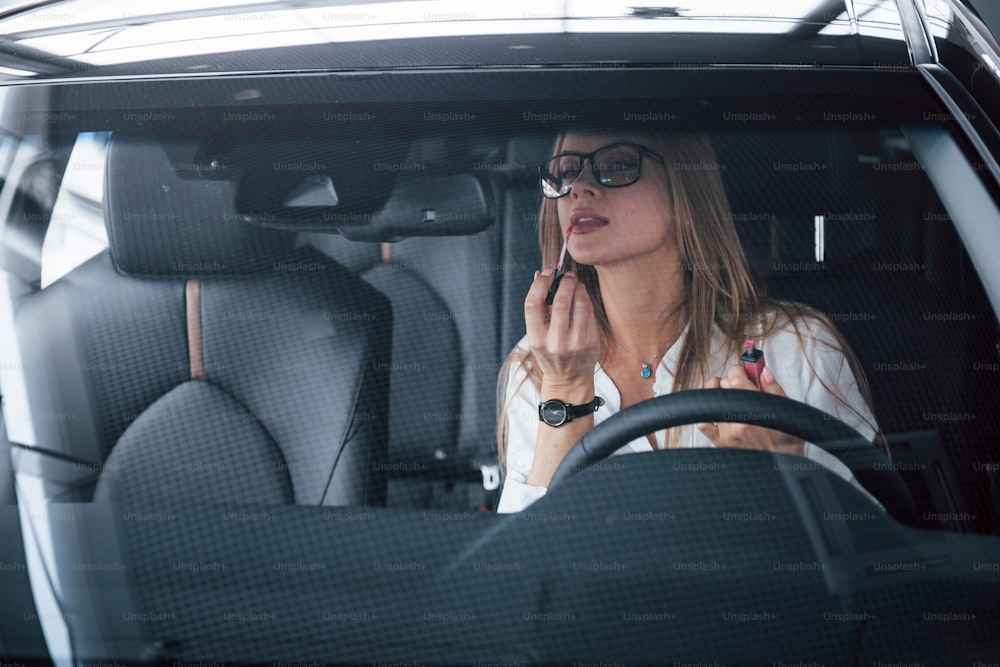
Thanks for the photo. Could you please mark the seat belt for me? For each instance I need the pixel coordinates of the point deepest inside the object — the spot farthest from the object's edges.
(196, 353)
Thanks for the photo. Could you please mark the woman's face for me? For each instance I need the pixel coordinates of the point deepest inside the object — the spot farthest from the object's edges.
(616, 225)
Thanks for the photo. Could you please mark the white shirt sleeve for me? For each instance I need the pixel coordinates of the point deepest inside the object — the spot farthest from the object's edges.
(817, 375)
(522, 431)
(816, 372)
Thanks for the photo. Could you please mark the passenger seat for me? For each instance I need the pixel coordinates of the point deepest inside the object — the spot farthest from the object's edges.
(202, 359)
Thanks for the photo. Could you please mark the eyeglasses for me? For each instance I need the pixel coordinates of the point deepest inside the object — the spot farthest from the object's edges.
(614, 166)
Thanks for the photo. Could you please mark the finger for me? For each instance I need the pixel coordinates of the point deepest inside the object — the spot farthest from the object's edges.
(769, 384)
(711, 431)
(536, 313)
(561, 310)
(737, 379)
(743, 436)
(780, 441)
(583, 324)
(550, 295)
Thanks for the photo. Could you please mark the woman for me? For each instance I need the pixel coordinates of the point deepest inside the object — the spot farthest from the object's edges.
(657, 297)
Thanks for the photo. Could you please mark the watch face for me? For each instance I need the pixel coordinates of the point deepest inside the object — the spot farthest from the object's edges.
(554, 412)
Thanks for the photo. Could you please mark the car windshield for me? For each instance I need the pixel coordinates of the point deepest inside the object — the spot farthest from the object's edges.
(269, 277)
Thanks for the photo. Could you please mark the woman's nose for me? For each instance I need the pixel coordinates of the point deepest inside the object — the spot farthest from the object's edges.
(585, 180)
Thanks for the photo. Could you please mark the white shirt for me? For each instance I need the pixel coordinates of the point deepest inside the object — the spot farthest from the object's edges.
(784, 354)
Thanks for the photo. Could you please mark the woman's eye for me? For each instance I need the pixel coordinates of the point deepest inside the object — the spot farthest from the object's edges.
(567, 174)
(620, 165)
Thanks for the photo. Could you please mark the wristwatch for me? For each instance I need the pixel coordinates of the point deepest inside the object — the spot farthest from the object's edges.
(556, 413)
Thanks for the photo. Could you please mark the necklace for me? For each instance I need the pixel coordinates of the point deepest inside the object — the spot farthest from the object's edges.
(644, 370)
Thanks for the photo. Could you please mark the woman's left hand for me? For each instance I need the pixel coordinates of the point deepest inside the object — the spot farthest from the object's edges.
(745, 436)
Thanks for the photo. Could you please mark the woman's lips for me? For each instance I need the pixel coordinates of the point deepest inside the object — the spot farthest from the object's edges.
(585, 222)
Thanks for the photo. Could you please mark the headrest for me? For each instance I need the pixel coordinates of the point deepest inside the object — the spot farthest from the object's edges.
(160, 223)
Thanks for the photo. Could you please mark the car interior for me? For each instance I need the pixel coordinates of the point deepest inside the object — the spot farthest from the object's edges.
(318, 316)
(310, 304)
(291, 434)
(262, 263)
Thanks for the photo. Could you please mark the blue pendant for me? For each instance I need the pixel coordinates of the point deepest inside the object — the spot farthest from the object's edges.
(645, 371)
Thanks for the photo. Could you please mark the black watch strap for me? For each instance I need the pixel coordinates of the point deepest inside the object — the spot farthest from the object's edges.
(556, 413)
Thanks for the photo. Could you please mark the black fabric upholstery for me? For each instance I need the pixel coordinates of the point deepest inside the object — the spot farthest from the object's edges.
(464, 272)
(354, 256)
(161, 223)
(100, 348)
(444, 293)
(296, 353)
(215, 451)
(426, 383)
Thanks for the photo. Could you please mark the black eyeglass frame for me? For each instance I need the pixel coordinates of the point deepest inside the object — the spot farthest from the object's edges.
(544, 175)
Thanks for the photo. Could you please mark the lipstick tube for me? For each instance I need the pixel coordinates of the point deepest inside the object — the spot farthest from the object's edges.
(753, 362)
(551, 295)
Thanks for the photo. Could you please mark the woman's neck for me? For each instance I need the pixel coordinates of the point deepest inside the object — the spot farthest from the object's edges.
(645, 305)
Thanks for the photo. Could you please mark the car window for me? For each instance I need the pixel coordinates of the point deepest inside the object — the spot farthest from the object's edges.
(265, 278)
(76, 230)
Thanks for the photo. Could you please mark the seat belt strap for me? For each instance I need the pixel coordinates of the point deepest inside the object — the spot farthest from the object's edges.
(192, 301)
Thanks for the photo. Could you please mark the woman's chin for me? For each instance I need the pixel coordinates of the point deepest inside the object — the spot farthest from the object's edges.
(589, 259)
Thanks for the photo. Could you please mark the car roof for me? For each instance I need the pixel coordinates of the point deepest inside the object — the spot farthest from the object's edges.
(98, 38)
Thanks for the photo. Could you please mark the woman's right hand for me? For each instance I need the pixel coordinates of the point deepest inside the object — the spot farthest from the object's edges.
(563, 337)
(566, 346)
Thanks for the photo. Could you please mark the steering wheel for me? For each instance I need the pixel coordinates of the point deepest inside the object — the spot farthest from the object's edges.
(745, 407)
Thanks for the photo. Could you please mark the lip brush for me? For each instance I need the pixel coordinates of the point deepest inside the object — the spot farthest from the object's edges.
(559, 272)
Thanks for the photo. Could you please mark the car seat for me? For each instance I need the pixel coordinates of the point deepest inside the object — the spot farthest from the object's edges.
(201, 358)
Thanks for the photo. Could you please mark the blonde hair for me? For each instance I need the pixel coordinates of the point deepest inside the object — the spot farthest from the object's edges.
(719, 289)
